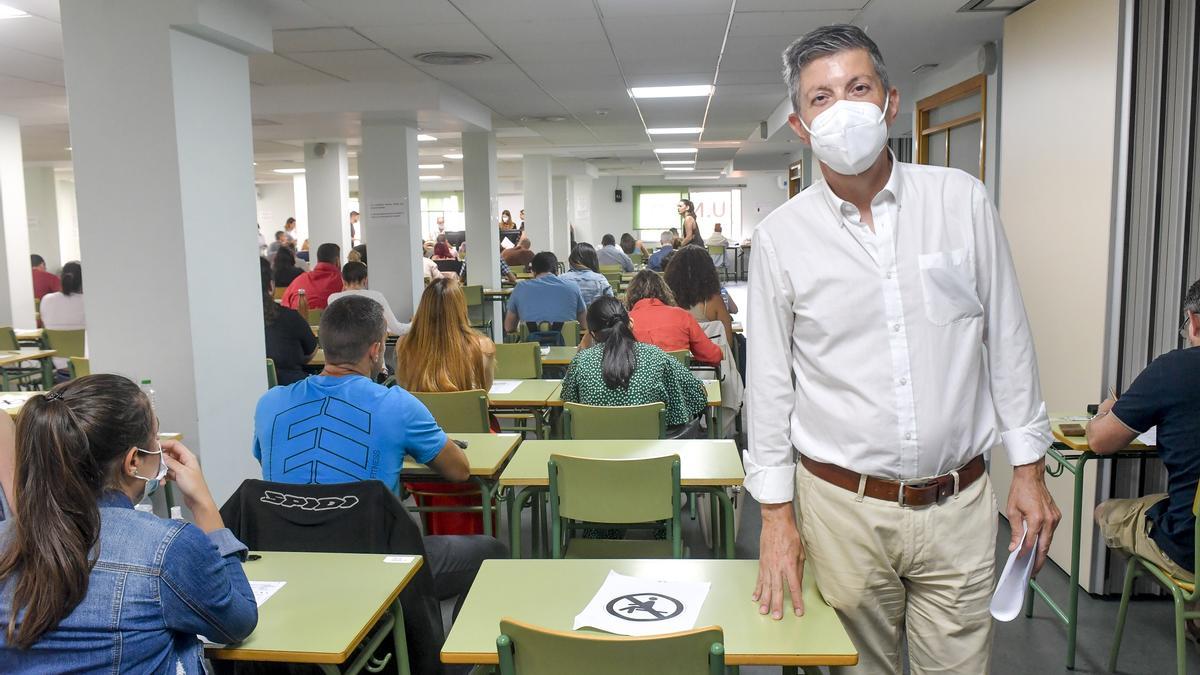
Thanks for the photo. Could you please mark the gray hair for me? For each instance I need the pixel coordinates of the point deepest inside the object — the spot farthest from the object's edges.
(1191, 299)
(822, 42)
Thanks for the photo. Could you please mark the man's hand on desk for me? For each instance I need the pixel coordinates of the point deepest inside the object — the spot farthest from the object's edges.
(780, 561)
(1030, 502)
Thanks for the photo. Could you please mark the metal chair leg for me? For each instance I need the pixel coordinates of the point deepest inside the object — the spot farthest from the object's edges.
(1131, 573)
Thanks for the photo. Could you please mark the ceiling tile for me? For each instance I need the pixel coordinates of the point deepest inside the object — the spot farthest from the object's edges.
(319, 40)
(663, 7)
(271, 69)
(388, 12)
(483, 12)
(32, 34)
(372, 65)
(812, 5)
(791, 24)
(411, 39)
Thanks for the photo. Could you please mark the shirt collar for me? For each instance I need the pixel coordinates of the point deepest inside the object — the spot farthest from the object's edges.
(649, 302)
(115, 499)
(891, 189)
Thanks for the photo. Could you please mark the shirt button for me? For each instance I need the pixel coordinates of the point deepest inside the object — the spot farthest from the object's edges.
(908, 436)
(896, 328)
(903, 381)
(889, 274)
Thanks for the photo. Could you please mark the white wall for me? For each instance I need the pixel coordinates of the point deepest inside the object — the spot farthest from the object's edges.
(68, 219)
(41, 206)
(276, 203)
(965, 67)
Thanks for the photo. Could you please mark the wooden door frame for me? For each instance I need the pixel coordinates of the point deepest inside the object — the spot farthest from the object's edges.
(948, 95)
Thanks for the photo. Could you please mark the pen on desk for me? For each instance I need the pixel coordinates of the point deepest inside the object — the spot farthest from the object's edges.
(1112, 393)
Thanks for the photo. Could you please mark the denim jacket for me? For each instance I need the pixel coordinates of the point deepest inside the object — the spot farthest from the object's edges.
(155, 586)
(591, 284)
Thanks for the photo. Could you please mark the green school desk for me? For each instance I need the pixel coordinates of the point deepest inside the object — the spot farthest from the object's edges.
(12, 358)
(486, 454)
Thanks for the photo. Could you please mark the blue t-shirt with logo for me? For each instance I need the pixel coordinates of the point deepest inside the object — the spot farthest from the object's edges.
(546, 298)
(327, 429)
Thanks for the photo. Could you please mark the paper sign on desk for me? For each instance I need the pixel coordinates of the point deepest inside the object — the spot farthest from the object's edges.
(638, 606)
(263, 590)
(545, 351)
(504, 386)
(1150, 438)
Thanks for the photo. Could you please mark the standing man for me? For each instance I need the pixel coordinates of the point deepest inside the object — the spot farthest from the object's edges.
(355, 235)
(889, 291)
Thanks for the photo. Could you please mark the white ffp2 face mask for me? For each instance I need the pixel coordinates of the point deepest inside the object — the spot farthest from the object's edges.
(849, 135)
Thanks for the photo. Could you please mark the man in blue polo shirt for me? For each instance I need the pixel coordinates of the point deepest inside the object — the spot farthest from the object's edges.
(1158, 527)
(340, 426)
(545, 297)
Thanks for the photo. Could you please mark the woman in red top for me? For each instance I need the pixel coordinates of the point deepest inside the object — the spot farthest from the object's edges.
(657, 321)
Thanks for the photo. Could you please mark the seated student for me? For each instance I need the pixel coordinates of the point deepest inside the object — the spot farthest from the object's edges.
(545, 297)
(441, 352)
(1158, 527)
(99, 586)
(585, 273)
(629, 245)
(290, 340)
(431, 272)
(609, 254)
(281, 241)
(693, 280)
(284, 269)
(657, 321)
(657, 259)
(442, 250)
(520, 255)
(506, 273)
(354, 281)
(43, 282)
(64, 310)
(362, 253)
(717, 239)
(620, 370)
(322, 281)
(380, 425)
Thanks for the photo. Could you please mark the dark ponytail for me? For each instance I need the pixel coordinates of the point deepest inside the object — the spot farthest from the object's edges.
(609, 324)
(68, 445)
(72, 278)
(270, 308)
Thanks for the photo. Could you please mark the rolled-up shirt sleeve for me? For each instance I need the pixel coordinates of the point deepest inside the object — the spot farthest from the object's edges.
(770, 395)
(1012, 363)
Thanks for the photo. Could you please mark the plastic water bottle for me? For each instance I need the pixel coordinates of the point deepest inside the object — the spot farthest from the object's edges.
(176, 513)
(149, 392)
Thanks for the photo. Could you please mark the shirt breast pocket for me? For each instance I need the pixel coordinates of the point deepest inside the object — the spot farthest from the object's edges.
(948, 287)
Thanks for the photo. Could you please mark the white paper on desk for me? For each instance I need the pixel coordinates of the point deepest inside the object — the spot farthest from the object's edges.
(1150, 438)
(1010, 590)
(638, 606)
(263, 590)
(505, 243)
(545, 351)
(504, 386)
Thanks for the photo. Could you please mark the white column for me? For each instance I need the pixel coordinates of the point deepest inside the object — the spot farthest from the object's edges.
(581, 211)
(41, 205)
(560, 233)
(538, 204)
(390, 208)
(16, 287)
(171, 295)
(481, 209)
(327, 181)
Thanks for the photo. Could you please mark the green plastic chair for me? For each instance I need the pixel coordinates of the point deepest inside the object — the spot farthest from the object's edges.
(66, 343)
(475, 309)
(8, 339)
(1182, 592)
(458, 412)
(604, 423)
(614, 492)
(684, 356)
(718, 253)
(524, 649)
(571, 333)
(314, 317)
(79, 366)
(609, 269)
(18, 376)
(519, 361)
(272, 379)
(637, 258)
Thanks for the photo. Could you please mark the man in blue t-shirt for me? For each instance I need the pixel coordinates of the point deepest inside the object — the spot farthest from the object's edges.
(340, 426)
(545, 297)
(1158, 527)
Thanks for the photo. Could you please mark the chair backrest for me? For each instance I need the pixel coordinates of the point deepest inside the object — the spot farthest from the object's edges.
(637, 257)
(314, 317)
(474, 294)
(684, 356)
(79, 366)
(279, 292)
(545, 335)
(8, 339)
(518, 361)
(571, 333)
(455, 266)
(272, 379)
(614, 490)
(596, 422)
(67, 343)
(458, 412)
(716, 250)
(524, 649)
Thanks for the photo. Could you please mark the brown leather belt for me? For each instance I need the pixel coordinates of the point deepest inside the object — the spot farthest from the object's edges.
(906, 493)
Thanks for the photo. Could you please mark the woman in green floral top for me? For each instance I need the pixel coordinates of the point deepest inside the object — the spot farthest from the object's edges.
(619, 370)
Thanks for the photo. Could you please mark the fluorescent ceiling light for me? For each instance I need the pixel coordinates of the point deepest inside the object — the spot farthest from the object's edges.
(453, 155)
(665, 162)
(691, 177)
(352, 177)
(671, 92)
(509, 155)
(431, 166)
(431, 177)
(426, 137)
(679, 168)
(675, 130)
(675, 151)
(7, 12)
(289, 170)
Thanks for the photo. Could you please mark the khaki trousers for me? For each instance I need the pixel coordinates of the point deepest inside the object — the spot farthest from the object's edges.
(925, 574)
(1125, 527)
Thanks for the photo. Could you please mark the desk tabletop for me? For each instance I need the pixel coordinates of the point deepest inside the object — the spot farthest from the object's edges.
(486, 454)
(1079, 443)
(530, 393)
(318, 359)
(29, 333)
(12, 401)
(702, 462)
(712, 388)
(329, 603)
(550, 593)
(9, 357)
(497, 292)
(558, 356)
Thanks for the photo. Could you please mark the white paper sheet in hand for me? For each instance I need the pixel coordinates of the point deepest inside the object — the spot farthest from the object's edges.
(504, 386)
(638, 606)
(1010, 590)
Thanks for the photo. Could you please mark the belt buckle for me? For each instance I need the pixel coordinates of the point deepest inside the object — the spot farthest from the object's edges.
(915, 484)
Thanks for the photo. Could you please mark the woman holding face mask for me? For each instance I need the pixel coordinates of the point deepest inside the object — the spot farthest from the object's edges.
(87, 583)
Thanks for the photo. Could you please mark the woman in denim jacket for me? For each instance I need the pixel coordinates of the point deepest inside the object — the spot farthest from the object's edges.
(87, 583)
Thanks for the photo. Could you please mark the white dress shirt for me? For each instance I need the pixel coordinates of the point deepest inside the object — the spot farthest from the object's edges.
(393, 324)
(900, 353)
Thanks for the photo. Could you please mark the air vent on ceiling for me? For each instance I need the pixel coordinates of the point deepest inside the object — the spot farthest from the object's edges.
(923, 67)
(542, 118)
(993, 5)
(452, 58)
